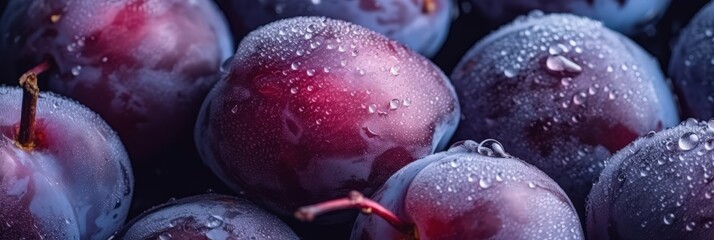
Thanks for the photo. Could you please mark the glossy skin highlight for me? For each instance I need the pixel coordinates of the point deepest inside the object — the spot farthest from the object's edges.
(564, 93)
(312, 108)
(420, 24)
(208, 216)
(135, 62)
(76, 183)
(462, 194)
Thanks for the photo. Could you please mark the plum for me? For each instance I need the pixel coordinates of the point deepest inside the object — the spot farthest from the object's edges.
(143, 65)
(472, 191)
(64, 174)
(420, 24)
(562, 92)
(312, 108)
(691, 65)
(208, 216)
(626, 16)
(658, 187)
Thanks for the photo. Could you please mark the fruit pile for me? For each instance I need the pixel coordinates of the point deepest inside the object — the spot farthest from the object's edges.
(369, 119)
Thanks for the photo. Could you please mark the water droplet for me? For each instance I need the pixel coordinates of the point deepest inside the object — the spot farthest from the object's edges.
(394, 104)
(454, 163)
(560, 64)
(310, 88)
(407, 102)
(369, 132)
(234, 110)
(372, 108)
(578, 99)
(394, 70)
(294, 66)
(668, 219)
(165, 236)
(499, 176)
(214, 221)
(688, 141)
(76, 70)
(690, 226)
(311, 72)
(709, 144)
(531, 185)
(294, 90)
(484, 183)
(509, 73)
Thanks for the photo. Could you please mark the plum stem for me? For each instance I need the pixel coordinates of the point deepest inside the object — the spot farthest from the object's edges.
(428, 7)
(30, 94)
(354, 200)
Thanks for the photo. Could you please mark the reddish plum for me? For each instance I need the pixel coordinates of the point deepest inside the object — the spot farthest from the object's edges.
(313, 107)
(627, 16)
(209, 216)
(65, 177)
(658, 187)
(143, 65)
(473, 191)
(563, 92)
(420, 24)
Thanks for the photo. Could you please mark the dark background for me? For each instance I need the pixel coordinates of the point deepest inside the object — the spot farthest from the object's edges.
(179, 172)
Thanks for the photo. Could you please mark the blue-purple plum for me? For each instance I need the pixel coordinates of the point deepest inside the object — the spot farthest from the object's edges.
(420, 24)
(563, 93)
(143, 65)
(692, 65)
(73, 182)
(658, 187)
(209, 216)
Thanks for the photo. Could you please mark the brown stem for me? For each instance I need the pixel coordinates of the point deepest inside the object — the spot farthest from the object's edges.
(428, 7)
(30, 94)
(355, 200)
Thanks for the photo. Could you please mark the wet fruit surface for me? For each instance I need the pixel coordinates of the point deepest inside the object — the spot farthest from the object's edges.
(76, 183)
(562, 92)
(658, 187)
(321, 107)
(208, 216)
(473, 191)
(691, 66)
(120, 59)
(420, 24)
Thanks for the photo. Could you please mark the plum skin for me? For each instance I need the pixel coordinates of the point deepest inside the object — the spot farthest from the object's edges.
(420, 24)
(626, 16)
(690, 66)
(319, 122)
(122, 60)
(209, 216)
(463, 194)
(77, 182)
(567, 122)
(658, 187)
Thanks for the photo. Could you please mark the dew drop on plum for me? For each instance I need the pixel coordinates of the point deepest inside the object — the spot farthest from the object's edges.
(658, 187)
(563, 93)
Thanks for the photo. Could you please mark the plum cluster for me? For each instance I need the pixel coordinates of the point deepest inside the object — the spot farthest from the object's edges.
(279, 118)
